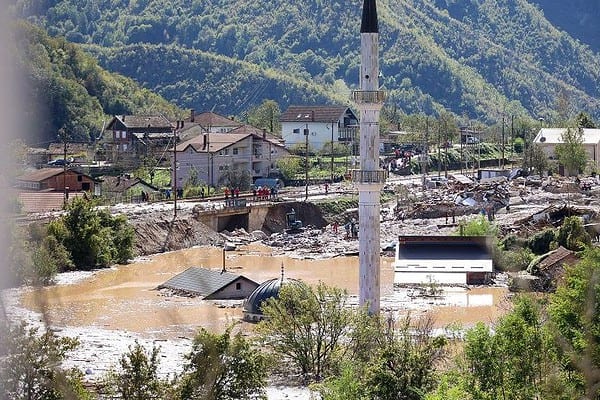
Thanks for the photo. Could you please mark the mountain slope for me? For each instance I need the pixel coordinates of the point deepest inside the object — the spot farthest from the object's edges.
(478, 58)
(67, 89)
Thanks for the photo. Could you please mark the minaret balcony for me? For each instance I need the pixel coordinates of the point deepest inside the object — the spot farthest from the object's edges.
(361, 176)
(368, 96)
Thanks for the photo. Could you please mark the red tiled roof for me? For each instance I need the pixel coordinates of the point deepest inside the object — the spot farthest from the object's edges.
(40, 175)
(207, 119)
(36, 202)
(142, 121)
(554, 257)
(216, 141)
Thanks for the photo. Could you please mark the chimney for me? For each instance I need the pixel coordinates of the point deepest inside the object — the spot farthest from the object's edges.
(192, 115)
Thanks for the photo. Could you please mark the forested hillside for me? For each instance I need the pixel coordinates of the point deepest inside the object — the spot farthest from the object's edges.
(476, 59)
(577, 17)
(67, 89)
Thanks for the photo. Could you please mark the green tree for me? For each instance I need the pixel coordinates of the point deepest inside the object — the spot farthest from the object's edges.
(539, 160)
(93, 237)
(236, 178)
(289, 167)
(137, 378)
(30, 365)
(386, 359)
(572, 235)
(571, 152)
(266, 116)
(479, 226)
(222, 367)
(306, 325)
(583, 120)
(402, 366)
(575, 314)
(515, 361)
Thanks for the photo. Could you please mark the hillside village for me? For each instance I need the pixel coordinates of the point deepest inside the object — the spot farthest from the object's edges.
(326, 246)
(207, 148)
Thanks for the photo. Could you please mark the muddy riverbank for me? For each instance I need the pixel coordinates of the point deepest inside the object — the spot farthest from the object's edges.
(109, 310)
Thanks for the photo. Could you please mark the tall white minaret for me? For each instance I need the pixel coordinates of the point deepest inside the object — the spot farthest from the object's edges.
(369, 178)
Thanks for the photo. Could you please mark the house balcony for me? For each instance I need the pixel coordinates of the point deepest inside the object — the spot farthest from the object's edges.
(348, 134)
(368, 96)
(257, 157)
(377, 176)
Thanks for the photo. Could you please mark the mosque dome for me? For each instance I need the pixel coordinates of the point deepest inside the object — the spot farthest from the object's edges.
(264, 291)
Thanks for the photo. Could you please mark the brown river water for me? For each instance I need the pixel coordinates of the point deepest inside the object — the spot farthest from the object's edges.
(124, 297)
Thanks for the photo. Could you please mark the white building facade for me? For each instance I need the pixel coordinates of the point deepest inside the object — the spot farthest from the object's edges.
(324, 124)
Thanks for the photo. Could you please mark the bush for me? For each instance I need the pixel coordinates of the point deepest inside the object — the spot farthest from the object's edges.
(30, 365)
(540, 242)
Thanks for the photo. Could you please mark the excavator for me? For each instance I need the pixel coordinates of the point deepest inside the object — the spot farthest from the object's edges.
(294, 225)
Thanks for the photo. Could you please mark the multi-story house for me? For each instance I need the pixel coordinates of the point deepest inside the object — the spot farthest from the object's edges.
(136, 136)
(318, 125)
(208, 156)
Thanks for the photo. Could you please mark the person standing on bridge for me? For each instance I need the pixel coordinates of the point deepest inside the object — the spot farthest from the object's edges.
(236, 192)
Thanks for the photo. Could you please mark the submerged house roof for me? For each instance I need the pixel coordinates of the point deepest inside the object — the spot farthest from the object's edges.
(443, 248)
(208, 283)
(451, 259)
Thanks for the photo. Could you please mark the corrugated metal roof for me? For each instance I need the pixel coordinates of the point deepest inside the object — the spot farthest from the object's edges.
(198, 281)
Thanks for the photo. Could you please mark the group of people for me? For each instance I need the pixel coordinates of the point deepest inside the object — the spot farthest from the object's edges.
(351, 229)
(178, 193)
(264, 193)
(233, 193)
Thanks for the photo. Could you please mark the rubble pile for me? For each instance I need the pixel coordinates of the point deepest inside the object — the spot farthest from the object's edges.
(459, 198)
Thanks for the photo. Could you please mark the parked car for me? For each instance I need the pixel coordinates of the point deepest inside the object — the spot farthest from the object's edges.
(59, 162)
(472, 140)
(268, 182)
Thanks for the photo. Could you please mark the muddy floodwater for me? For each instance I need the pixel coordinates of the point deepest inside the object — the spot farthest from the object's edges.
(124, 297)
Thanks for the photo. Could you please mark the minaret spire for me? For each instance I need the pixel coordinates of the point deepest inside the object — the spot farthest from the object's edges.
(370, 178)
(369, 17)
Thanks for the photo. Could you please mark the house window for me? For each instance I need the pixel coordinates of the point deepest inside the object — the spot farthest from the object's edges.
(297, 130)
(226, 152)
(235, 151)
(238, 286)
(79, 178)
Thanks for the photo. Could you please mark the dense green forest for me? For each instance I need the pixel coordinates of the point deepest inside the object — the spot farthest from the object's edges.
(67, 89)
(476, 59)
(577, 17)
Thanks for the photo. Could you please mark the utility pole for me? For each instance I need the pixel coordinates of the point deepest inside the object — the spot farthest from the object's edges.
(66, 194)
(175, 130)
(306, 132)
(512, 139)
(332, 151)
(503, 142)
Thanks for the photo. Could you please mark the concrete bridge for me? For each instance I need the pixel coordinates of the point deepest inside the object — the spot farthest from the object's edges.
(236, 213)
